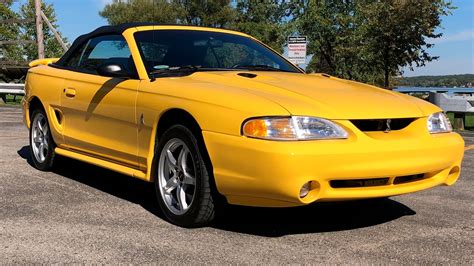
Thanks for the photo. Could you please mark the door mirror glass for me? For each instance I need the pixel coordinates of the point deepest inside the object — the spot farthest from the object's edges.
(112, 70)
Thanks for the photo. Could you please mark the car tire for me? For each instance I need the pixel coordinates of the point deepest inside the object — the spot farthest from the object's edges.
(41, 141)
(182, 180)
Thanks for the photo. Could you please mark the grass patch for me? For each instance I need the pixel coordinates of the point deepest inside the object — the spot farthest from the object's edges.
(11, 99)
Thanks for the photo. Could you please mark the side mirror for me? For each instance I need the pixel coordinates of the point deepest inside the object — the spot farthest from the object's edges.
(112, 70)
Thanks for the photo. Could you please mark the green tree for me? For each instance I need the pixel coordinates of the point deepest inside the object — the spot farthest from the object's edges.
(214, 13)
(9, 32)
(210, 13)
(334, 38)
(268, 21)
(370, 40)
(398, 32)
(159, 11)
(52, 47)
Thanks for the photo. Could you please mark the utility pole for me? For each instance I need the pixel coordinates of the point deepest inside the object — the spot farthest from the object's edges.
(39, 29)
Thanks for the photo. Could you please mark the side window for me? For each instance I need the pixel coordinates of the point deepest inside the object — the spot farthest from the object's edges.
(100, 50)
(73, 60)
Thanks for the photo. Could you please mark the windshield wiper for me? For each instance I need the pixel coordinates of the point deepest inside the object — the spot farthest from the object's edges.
(259, 67)
(166, 69)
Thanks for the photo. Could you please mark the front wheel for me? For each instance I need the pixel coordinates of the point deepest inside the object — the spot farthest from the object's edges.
(41, 142)
(182, 179)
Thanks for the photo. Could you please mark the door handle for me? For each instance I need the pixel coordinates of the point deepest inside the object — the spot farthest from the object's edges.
(71, 93)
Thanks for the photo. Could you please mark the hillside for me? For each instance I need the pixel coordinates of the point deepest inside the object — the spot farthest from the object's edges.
(465, 80)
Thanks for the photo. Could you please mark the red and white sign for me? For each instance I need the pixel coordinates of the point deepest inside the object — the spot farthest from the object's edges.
(297, 49)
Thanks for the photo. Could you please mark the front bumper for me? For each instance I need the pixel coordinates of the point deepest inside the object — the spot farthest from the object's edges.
(271, 173)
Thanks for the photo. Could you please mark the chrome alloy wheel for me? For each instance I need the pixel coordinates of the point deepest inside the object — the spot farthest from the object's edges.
(177, 176)
(40, 137)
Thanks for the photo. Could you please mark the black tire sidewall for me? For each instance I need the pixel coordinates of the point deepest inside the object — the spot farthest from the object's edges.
(190, 218)
(48, 162)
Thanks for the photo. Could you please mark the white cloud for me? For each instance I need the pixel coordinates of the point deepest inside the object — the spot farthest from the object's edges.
(460, 36)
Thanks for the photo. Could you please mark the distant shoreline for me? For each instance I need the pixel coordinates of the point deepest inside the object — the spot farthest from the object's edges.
(442, 81)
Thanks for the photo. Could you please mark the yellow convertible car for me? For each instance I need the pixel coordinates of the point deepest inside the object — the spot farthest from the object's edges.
(211, 114)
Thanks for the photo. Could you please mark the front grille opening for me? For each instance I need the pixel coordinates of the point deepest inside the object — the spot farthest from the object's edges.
(367, 125)
(351, 183)
(408, 179)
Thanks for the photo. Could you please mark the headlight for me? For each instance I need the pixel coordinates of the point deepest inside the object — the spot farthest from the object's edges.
(292, 128)
(439, 123)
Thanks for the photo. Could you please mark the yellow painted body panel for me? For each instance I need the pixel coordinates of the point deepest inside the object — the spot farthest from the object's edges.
(43, 61)
(258, 172)
(113, 123)
(100, 116)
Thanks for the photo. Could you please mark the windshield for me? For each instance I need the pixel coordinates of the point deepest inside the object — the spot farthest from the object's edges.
(182, 49)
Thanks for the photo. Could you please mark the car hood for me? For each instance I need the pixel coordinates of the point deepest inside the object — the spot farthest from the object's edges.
(320, 95)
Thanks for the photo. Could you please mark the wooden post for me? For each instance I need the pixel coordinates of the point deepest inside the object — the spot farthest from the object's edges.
(459, 121)
(39, 29)
(55, 32)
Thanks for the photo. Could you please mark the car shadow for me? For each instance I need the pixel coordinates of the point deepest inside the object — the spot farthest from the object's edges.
(268, 222)
(107, 87)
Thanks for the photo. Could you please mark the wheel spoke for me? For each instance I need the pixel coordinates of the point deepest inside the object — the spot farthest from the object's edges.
(171, 160)
(36, 140)
(41, 151)
(45, 129)
(189, 179)
(181, 196)
(40, 126)
(181, 158)
(45, 144)
(182, 161)
(171, 184)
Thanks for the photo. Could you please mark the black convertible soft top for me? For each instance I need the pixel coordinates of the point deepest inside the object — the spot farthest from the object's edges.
(104, 30)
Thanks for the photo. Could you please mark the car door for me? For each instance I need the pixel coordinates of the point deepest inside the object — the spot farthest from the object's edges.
(98, 111)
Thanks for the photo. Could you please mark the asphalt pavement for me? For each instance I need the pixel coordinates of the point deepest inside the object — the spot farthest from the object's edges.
(83, 214)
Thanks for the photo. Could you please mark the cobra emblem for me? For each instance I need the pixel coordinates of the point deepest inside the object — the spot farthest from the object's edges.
(388, 128)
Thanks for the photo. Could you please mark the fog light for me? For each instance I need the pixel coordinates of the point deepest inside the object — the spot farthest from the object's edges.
(305, 189)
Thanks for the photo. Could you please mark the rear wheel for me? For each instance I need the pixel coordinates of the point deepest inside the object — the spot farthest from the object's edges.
(41, 142)
(182, 179)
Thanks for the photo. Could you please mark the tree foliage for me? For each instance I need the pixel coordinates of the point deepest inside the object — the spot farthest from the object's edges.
(214, 13)
(464, 80)
(268, 21)
(159, 11)
(52, 48)
(24, 52)
(9, 32)
(335, 41)
(399, 31)
(370, 40)
(210, 13)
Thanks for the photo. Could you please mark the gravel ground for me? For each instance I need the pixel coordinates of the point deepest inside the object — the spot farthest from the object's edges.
(81, 213)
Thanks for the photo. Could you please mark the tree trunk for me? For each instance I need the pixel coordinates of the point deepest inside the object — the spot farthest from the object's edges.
(387, 78)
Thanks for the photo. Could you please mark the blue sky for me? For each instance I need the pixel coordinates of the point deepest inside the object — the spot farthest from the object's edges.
(455, 48)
